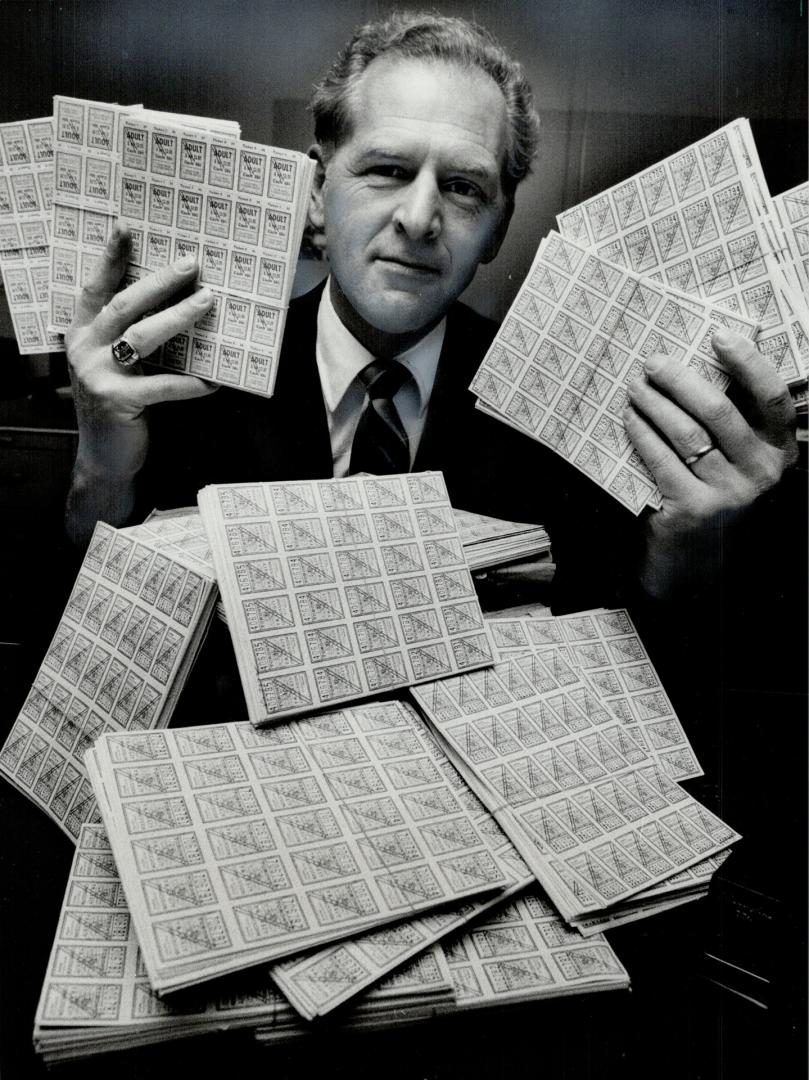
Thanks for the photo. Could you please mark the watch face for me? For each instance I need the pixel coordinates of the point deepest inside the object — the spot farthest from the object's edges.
(124, 353)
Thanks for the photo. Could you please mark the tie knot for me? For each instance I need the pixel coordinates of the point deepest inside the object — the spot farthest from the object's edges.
(383, 378)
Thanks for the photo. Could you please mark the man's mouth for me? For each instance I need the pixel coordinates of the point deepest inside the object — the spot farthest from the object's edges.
(408, 265)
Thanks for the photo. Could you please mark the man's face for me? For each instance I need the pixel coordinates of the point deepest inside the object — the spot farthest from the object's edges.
(412, 201)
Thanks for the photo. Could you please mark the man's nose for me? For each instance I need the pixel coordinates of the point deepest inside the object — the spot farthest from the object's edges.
(418, 211)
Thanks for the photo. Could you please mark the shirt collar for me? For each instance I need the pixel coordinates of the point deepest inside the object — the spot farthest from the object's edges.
(341, 357)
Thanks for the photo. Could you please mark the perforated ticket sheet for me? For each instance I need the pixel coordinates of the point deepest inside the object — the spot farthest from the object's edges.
(526, 953)
(120, 655)
(341, 589)
(590, 811)
(237, 846)
(87, 189)
(701, 220)
(792, 211)
(576, 335)
(607, 651)
(240, 209)
(26, 196)
(319, 981)
(96, 996)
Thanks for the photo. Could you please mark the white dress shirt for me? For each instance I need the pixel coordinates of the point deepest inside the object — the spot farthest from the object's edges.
(340, 359)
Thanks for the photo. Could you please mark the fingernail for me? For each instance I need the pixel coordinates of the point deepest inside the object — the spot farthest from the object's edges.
(654, 363)
(202, 298)
(188, 262)
(725, 339)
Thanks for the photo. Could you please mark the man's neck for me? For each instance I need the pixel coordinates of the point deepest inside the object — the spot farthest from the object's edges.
(377, 342)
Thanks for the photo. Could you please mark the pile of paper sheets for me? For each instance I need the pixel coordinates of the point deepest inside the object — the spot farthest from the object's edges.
(577, 772)
(489, 542)
(26, 197)
(127, 640)
(184, 185)
(340, 589)
(655, 264)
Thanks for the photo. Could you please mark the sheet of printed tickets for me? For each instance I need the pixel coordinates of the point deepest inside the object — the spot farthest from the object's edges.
(588, 808)
(792, 212)
(524, 953)
(702, 220)
(240, 209)
(26, 197)
(96, 996)
(238, 846)
(317, 982)
(123, 648)
(86, 200)
(606, 651)
(576, 335)
(340, 589)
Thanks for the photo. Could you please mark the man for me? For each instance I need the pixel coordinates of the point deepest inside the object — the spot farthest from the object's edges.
(425, 128)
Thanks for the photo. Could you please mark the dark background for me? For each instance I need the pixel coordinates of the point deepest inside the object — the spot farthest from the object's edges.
(719, 986)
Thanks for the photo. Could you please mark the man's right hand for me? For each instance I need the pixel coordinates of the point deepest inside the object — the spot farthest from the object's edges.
(110, 399)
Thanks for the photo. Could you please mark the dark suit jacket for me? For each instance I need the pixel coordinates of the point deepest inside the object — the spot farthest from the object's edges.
(234, 436)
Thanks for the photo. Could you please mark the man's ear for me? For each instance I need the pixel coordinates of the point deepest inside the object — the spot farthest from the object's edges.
(316, 214)
(499, 234)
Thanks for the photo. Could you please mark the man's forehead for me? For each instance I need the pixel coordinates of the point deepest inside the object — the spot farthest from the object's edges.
(402, 96)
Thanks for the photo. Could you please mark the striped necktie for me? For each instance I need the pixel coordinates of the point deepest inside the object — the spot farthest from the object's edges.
(381, 444)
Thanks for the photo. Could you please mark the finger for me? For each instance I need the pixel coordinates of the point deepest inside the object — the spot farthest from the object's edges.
(684, 434)
(706, 405)
(106, 276)
(674, 478)
(150, 333)
(150, 292)
(765, 387)
(153, 389)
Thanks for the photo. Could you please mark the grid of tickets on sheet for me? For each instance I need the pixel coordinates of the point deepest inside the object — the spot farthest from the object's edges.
(319, 981)
(237, 846)
(26, 196)
(183, 186)
(589, 809)
(703, 221)
(123, 648)
(339, 589)
(605, 649)
(96, 996)
(576, 335)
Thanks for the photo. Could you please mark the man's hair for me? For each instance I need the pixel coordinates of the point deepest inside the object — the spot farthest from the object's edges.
(419, 35)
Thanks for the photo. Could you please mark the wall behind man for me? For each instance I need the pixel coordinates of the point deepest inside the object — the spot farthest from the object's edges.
(618, 83)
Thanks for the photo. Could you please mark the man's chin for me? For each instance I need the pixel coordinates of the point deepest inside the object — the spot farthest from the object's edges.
(407, 315)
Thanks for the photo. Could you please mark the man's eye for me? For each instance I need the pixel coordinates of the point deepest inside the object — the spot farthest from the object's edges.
(465, 188)
(389, 172)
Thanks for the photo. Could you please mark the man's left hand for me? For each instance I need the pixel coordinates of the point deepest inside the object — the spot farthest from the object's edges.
(675, 415)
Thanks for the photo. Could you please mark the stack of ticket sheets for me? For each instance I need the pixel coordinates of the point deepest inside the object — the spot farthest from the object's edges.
(125, 644)
(340, 589)
(184, 185)
(489, 541)
(592, 810)
(238, 846)
(655, 264)
(96, 996)
(26, 197)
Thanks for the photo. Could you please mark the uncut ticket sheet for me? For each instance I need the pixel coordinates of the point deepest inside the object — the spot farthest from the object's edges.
(525, 953)
(96, 995)
(26, 197)
(792, 211)
(701, 220)
(239, 208)
(606, 650)
(588, 808)
(319, 981)
(120, 655)
(340, 589)
(576, 335)
(237, 846)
